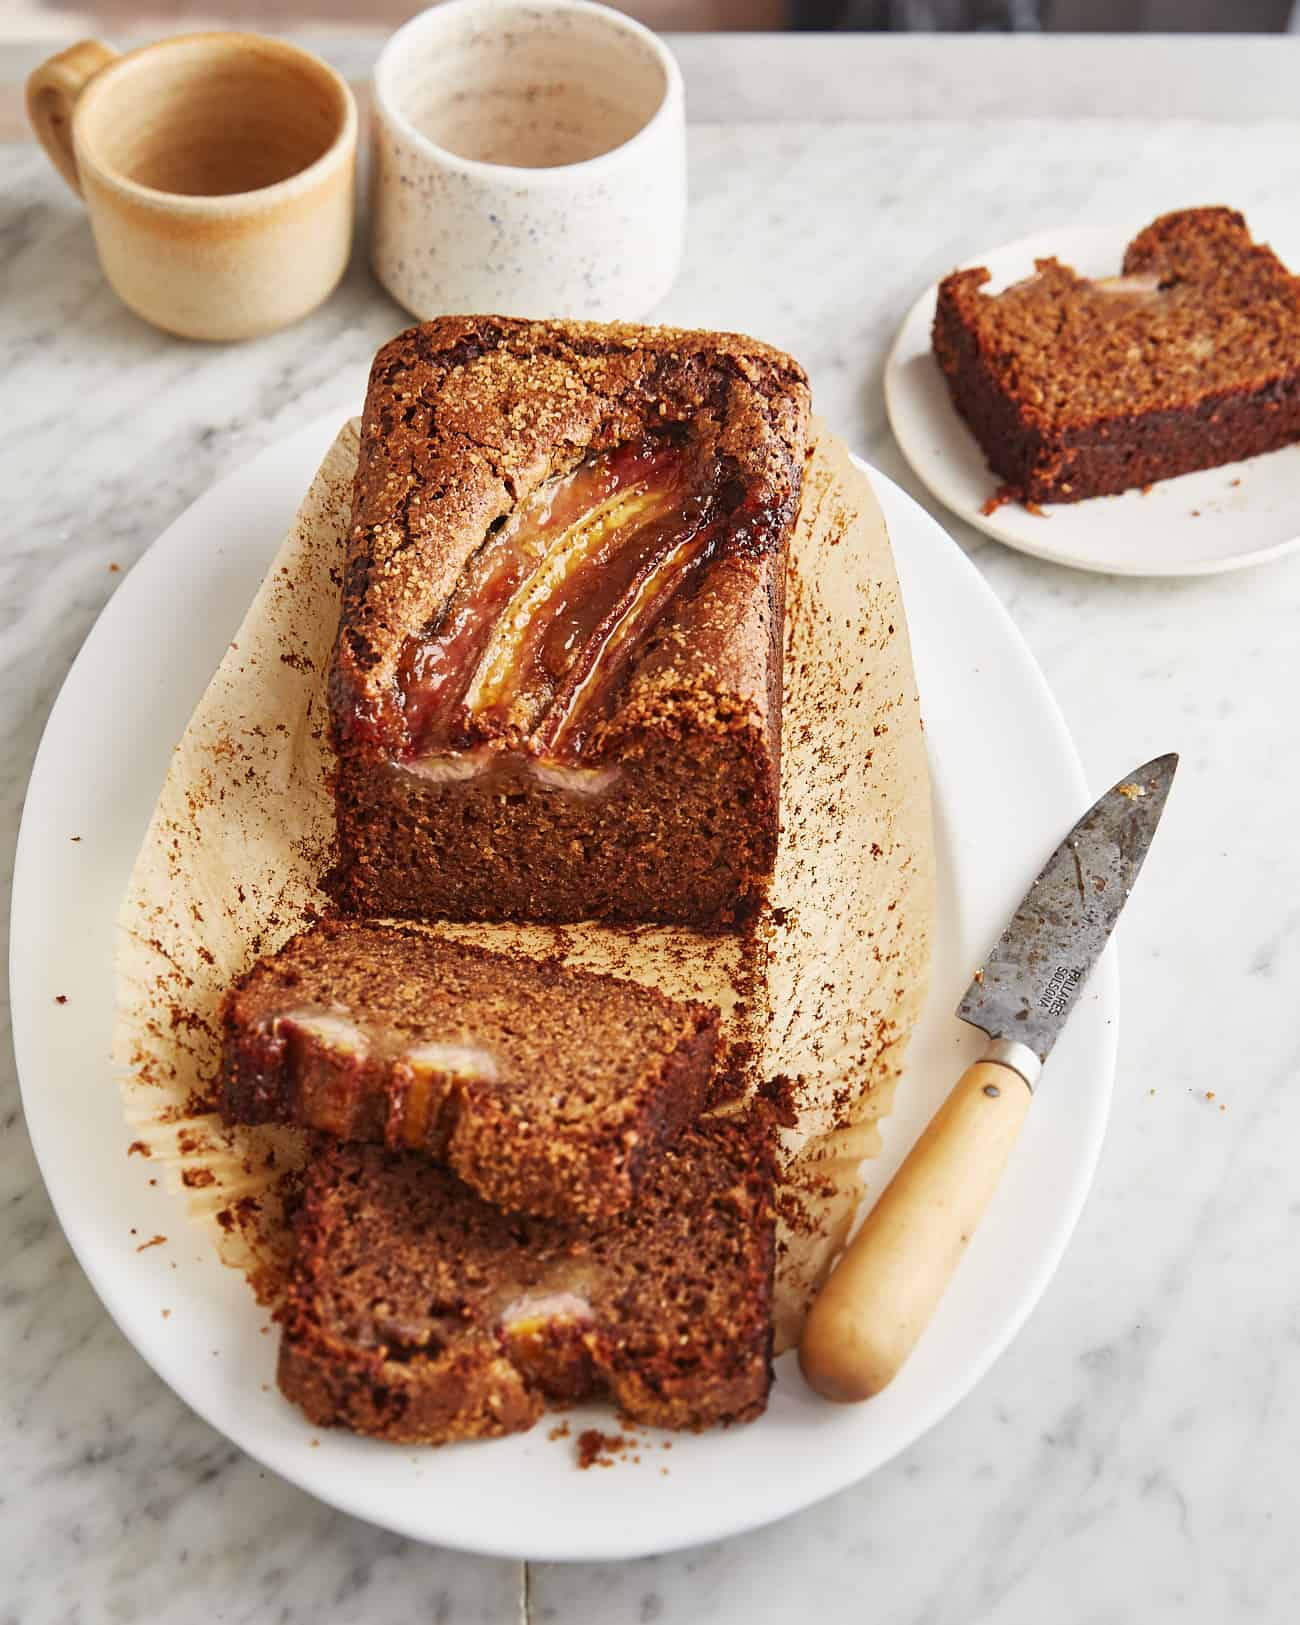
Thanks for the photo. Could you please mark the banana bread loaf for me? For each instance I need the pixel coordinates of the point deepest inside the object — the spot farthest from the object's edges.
(1078, 388)
(548, 1090)
(556, 688)
(418, 1312)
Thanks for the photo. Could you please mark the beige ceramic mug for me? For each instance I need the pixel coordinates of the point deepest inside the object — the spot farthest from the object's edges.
(219, 172)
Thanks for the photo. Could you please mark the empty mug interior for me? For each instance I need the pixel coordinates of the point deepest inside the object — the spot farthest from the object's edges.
(212, 116)
(528, 85)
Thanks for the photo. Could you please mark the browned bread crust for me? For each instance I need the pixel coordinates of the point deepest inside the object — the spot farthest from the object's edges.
(417, 1312)
(1076, 388)
(465, 419)
(548, 1090)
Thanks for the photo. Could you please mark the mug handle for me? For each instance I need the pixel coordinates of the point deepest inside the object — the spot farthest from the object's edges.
(52, 92)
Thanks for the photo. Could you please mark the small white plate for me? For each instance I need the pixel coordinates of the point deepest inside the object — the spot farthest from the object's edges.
(1200, 524)
(1007, 785)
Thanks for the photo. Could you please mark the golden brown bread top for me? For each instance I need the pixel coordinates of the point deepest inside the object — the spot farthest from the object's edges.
(466, 416)
(1200, 310)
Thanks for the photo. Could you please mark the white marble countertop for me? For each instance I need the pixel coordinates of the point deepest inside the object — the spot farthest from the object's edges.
(1132, 1456)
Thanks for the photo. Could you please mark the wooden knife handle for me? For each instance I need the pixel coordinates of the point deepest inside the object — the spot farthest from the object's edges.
(881, 1294)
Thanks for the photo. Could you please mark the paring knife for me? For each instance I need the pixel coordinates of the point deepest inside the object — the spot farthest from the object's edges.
(881, 1294)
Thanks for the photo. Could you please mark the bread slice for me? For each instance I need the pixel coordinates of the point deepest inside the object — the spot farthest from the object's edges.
(556, 689)
(1078, 388)
(548, 1090)
(418, 1312)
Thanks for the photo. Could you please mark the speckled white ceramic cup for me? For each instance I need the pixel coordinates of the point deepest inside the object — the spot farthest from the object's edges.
(529, 160)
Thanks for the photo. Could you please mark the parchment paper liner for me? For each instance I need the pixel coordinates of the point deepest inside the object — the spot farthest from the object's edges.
(824, 993)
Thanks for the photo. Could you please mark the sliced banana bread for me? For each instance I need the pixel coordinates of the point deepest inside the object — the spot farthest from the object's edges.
(1077, 388)
(418, 1312)
(549, 1090)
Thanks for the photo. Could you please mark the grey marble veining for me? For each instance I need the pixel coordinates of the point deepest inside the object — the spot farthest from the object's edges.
(1132, 1457)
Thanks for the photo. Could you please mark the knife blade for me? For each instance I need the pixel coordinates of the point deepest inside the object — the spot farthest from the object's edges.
(885, 1287)
(1032, 979)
